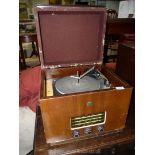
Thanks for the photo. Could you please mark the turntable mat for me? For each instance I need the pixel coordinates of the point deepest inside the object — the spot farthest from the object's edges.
(70, 84)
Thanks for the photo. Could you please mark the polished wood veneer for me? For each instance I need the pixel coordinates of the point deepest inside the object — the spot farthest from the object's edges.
(119, 26)
(70, 40)
(58, 110)
(116, 143)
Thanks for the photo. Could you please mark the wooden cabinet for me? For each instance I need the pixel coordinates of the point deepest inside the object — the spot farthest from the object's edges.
(115, 28)
(63, 115)
(121, 143)
(125, 68)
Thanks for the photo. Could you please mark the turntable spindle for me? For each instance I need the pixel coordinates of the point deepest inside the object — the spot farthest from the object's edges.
(78, 75)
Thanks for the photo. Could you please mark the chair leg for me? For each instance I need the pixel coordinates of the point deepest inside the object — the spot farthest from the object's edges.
(34, 50)
(21, 52)
(105, 59)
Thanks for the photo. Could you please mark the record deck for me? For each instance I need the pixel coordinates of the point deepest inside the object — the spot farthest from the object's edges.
(90, 80)
(79, 97)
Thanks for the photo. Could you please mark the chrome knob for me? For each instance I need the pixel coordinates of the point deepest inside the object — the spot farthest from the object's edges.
(76, 133)
(87, 130)
(100, 128)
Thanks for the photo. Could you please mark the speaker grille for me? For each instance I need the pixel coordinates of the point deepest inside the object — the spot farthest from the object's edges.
(87, 120)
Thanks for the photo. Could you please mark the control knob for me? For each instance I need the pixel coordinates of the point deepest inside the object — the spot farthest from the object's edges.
(87, 130)
(100, 128)
(76, 133)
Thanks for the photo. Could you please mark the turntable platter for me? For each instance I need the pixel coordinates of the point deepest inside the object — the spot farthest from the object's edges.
(70, 84)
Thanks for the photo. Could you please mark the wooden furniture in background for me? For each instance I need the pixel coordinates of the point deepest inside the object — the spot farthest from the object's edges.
(27, 26)
(120, 26)
(127, 37)
(123, 38)
(115, 28)
(125, 68)
(112, 14)
(28, 38)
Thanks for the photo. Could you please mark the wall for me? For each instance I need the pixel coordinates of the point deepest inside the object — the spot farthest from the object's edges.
(125, 8)
(112, 5)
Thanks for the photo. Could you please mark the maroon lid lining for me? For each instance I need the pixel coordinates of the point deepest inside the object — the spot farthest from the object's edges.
(69, 37)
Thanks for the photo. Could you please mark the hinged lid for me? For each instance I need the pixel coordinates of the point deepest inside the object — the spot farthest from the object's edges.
(70, 36)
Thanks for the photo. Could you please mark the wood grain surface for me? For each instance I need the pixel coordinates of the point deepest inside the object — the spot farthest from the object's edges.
(99, 145)
(58, 110)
